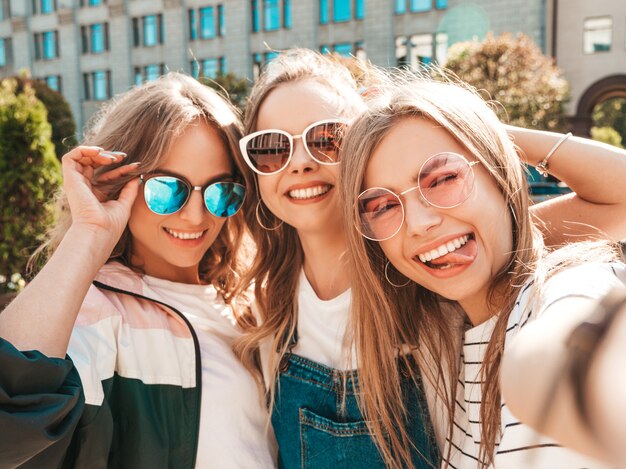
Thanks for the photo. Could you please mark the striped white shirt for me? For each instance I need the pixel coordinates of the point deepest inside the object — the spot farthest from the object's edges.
(519, 446)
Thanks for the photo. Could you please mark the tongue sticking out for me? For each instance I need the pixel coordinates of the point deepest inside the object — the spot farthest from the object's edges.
(463, 255)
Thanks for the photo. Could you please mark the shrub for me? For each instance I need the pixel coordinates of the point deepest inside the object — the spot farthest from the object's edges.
(29, 175)
(607, 135)
(231, 86)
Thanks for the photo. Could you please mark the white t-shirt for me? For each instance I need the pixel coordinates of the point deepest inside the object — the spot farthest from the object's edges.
(519, 446)
(233, 423)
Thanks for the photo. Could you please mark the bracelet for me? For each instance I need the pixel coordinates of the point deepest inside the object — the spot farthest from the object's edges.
(542, 168)
(584, 341)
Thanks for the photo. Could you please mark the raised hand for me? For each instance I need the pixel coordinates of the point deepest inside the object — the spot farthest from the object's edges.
(89, 206)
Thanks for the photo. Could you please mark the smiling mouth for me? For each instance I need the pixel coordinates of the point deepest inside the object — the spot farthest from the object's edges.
(185, 235)
(452, 253)
(309, 192)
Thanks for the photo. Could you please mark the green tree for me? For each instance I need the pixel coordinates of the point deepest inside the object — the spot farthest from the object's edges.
(29, 175)
(607, 135)
(231, 86)
(59, 113)
(611, 113)
(514, 72)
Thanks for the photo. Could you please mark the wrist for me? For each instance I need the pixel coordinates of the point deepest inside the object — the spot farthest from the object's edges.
(95, 243)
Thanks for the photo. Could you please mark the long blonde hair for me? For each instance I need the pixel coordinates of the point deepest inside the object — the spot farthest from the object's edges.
(144, 122)
(276, 273)
(386, 318)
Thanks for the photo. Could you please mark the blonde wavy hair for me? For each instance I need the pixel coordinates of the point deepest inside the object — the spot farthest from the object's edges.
(275, 274)
(144, 123)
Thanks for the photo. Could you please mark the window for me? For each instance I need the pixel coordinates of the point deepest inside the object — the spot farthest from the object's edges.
(53, 82)
(400, 7)
(221, 21)
(193, 27)
(148, 30)
(287, 14)
(323, 11)
(597, 34)
(254, 8)
(210, 68)
(5, 10)
(148, 73)
(3, 53)
(91, 3)
(97, 85)
(95, 38)
(207, 23)
(44, 7)
(344, 49)
(271, 15)
(441, 4)
(341, 10)
(46, 45)
(421, 50)
(421, 5)
(359, 9)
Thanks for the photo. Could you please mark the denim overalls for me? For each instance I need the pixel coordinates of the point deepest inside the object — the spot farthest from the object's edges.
(316, 428)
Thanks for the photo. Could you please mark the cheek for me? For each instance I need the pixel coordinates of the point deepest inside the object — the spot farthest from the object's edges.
(268, 186)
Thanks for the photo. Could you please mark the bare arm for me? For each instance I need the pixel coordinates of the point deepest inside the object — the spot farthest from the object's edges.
(535, 371)
(43, 315)
(594, 171)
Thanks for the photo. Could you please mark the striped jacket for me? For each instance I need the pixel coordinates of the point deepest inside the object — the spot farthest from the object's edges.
(126, 396)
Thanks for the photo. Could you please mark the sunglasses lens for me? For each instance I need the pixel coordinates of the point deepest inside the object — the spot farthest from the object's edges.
(269, 152)
(380, 214)
(165, 194)
(446, 180)
(224, 199)
(324, 140)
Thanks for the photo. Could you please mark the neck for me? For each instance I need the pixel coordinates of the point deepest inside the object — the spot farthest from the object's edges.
(324, 263)
(479, 309)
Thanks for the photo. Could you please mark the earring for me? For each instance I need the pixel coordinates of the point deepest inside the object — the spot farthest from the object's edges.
(258, 219)
(390, 282)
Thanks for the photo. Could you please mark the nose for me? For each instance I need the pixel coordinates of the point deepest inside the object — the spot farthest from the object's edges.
(419, 216)
(194, 210)
(301, 161)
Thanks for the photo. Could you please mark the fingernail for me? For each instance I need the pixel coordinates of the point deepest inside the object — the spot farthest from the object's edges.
(98, 148)
(136, 163)
(114, 155)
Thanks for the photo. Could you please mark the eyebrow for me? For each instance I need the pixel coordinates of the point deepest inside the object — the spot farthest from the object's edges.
(219, 177)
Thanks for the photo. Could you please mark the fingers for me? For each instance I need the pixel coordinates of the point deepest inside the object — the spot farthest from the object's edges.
(129, 193)
(117, 172)
(90, 156)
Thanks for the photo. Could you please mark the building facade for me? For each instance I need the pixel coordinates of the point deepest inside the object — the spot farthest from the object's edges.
(91, 50)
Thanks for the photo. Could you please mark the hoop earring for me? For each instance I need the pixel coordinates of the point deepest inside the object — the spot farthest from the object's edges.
(390, 282)
(258, 219)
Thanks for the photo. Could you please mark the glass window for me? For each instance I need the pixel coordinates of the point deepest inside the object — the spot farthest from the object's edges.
(221, 21)
(150, 33)
(597, 34)
(287, 13)
(193, 28)
(269, 56)
(47, 6)
(210, 68)
(323, 11)
(53, 82)
(359, 50)
(93, 3)
(100, 86)
(223, 66)
(152, 72)
(400, 6)
(441, 47)
(324, 49)
(341, 10)
(97, 38)
(138, 76)
(3, 53)
(195, 69)
(441, 4)
(271, 15)
(421, 5)
(255, 15)
(401, 51)
(207, 23)
(49, 45)
(359, 9)
(344, 49)
(421, 50)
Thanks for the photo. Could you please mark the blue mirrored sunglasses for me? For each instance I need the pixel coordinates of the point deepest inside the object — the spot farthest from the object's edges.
(165, 195)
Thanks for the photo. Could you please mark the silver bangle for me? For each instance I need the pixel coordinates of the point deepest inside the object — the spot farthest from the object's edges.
(542, 168)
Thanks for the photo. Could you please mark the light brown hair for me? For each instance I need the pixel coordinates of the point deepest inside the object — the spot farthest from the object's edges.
(144, 122)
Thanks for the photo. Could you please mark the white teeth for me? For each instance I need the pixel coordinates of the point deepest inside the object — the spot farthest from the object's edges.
(309, 192)
(444, 249)
(181, 235)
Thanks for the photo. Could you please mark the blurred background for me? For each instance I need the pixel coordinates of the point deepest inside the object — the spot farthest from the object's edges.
(552, 64)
